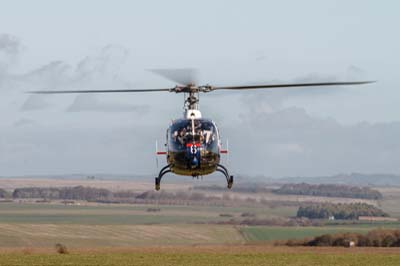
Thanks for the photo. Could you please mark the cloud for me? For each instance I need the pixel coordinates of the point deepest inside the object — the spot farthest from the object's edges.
(90, 103)
(24, 122)
(51, 76)
(39, 149)
(10, 49)
(98, 71)
(274, 100)
(105, 65)
(266, 136)
(35, 102)
(290, 142)
(54, 75)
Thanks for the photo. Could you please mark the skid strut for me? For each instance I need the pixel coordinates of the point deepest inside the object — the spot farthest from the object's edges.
(163, 171)
(220, 168)
(229, 178)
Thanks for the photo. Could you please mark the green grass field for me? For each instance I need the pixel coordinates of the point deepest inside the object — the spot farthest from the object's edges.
(126, 214)
(202, 258)
(269, 233)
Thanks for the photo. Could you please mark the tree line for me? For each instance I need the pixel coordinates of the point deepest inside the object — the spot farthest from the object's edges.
(340, 211)
(249, 188)
(329, 190)
(374, 238)
(105, 195)
(101, 195)
(66, 193)
(4, 194)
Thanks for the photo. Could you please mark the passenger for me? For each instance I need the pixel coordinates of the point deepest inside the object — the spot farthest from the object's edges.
(181, 136)
(175, 135)
(202, 138)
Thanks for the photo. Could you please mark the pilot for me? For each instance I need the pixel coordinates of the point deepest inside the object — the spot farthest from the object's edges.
(175, 135)
(197, 126)
(181, 136)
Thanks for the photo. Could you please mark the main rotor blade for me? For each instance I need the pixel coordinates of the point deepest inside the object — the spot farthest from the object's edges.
(208, 88)
(182, 76)
(271, 86)
(99, 91)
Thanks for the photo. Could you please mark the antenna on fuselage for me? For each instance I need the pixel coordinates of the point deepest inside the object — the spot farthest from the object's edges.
(227, 152)
(156, 155)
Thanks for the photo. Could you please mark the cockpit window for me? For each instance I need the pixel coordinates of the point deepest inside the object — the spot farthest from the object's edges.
(199, 131)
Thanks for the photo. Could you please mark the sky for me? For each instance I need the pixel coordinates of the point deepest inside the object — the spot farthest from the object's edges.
(91, 44)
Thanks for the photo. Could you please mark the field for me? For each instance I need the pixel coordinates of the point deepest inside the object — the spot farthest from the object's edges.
(118, 225)
(212, 255)
(133, 234)
(269, 233)
(77, 236)
(117, 214)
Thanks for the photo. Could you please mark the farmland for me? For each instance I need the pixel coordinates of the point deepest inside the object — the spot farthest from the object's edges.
(212, 255)
(181, 233)
(118, 225)
(78, 236)
(114, 214)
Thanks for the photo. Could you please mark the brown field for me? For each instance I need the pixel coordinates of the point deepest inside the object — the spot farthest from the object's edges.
(113, 185)
(84, 236)
(390, 202)
(209, 249)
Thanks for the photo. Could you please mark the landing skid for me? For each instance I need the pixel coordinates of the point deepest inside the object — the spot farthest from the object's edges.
(229, 178)
(163, 171)
(220, 168)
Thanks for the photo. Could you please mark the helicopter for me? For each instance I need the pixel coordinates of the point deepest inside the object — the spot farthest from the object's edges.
(193, 143)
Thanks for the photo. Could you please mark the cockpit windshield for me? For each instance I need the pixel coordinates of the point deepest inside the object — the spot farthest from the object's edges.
(199, 131)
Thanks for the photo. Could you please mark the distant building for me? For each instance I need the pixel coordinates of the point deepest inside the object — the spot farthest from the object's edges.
(68, 202)
(350, 244)
(331, 218)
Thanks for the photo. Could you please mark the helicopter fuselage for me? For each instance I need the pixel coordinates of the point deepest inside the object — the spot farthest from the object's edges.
(193, 147)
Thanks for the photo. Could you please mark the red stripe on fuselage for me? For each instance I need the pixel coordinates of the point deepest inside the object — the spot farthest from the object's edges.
(191, 144)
